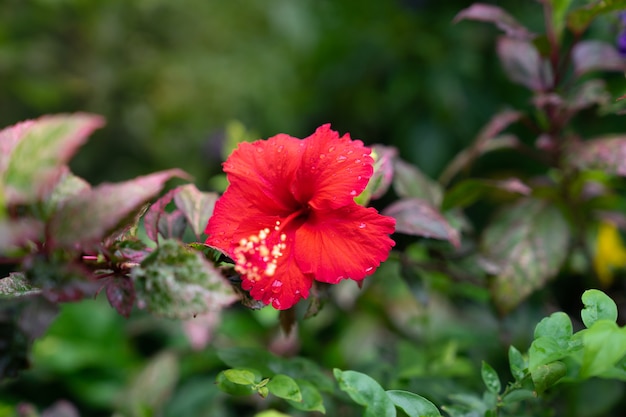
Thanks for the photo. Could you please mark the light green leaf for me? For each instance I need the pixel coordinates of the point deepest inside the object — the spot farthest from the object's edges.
(412, 404)
(271, 413)
(284, 387)
(598, 306)
(311, 398)
(177, 282)
(559, 10)
(232, 388)
(490, 378)
(517, 363)
(604, 344)
(557, 326)
(544, 350)
(240, 376)
(38, 158)
(524, 246)
(367, 392)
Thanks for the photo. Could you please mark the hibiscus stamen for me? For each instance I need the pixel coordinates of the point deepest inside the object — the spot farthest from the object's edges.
(255, 257)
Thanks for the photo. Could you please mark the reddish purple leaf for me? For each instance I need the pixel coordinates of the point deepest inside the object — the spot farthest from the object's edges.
(494, 14)
(596, 56)
(151, 219)
(172, 225)
(418, 217)
(91, 216)
(38, 152)
(9, 137)
(605, 153)
(523, 64)
(196, 205)
(14, 233)
(121, 294)
(383, 170)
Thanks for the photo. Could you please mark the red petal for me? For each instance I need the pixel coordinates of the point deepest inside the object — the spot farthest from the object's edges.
(333, 171)
(264, 171)
(350, 242)
(284, 286)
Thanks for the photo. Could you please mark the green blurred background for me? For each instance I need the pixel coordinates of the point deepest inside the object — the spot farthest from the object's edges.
(173, 78)
(170, 76)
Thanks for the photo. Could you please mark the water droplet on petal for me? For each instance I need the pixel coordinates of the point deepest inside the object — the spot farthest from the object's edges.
(259, 149)
(341, 158)
(357, 161)
(277, 284)
(353, 192)
(297, 292)
(322, 156)
(369, 269)
(359, 177)
(362, 226)
(332, 148)
(280, 148)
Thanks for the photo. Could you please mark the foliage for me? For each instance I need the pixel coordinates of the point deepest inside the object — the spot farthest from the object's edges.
(480, 255)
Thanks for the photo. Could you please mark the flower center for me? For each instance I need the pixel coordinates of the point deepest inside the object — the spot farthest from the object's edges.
(257, 256)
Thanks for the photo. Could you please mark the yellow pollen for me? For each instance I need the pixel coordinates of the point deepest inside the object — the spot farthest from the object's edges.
(256, 258)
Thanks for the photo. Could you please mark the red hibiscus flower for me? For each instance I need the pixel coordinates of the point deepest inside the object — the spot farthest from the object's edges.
(288, 216)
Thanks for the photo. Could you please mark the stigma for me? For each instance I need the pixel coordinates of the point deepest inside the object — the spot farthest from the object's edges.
(256, 256)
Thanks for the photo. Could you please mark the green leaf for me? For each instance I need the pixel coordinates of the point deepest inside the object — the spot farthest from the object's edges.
(412, 404)
(604, 344)
(311, 398)
(578, 20)
(284, 387)
(598, 306)
(153, 386)
(517, 363)
(523, 247)
(557, 326)
(271, 413)
(16, 285)
(251, 358)
(231, 388)
(559, 10)
(91, 216)
(466, 192)
(177, 282)
(490, 378)
(544, 350)
(410, 182)
(38, 157)
(196, 205)
(518, 395)
(547, 375)
(419, 218)
(367, 392)
(240, 376)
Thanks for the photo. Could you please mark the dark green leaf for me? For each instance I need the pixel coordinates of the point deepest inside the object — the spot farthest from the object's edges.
(578, 20)
(418, 217)
(91, 216)
(490, 378)
(596, 56)
(496, 15)
(38, 158)
(598, 306)
(410, 182)
(367, 392)
(523, 64)
(517, 363)
(524, 246)
(285, 387)
(604, 344)
(518, 395)
(469, 191)
(196, 205)
(250, 358)
(177, 282)
(546, 376)
(412, 404)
